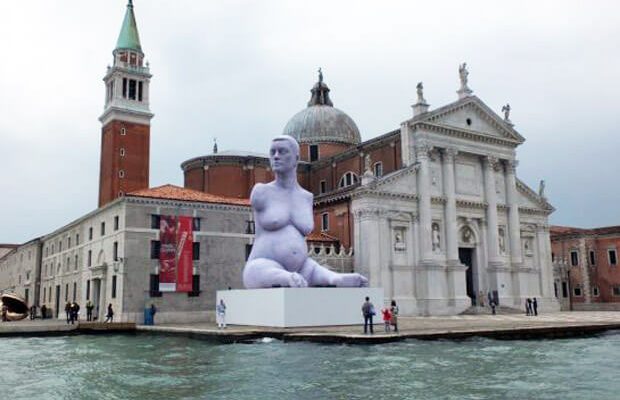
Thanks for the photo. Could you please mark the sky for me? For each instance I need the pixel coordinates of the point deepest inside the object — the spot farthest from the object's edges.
(238, 70)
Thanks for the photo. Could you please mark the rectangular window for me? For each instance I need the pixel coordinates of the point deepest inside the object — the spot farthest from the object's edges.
(595, 291)
(67, 292)
(102, 228)
(555, 289)
(195, 286)
(574, 258)
(615, 290)
(140, 85)
(115, 251)
(68, 242)
(195, 224)
(322, 187)
(613, 260)
(59, 246)
(90, 233)
(77, 239)
(314, 152)
(49, 294)
(325, 222)
(378, 169)
(74, 291)
(592, 258)
(248, 250)
(154, 286)
(132, 89)
(88, 289)
(196, 251)
(577, 291)
(90, 258)
(250, 227)
(44, 293)
(155, 220)
(155, 247)
(75, 266)
(116, 222)
(113, 286)
(26, 293)
(125, 87)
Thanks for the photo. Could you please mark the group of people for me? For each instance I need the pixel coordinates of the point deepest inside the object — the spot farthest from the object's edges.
(73, 311)
(531, 306)
(5, 311)
(389, 316)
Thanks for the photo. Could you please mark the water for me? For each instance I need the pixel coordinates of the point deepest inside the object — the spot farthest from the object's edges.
(161, 367)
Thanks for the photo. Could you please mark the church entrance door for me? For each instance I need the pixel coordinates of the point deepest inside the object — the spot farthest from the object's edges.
(466, 258)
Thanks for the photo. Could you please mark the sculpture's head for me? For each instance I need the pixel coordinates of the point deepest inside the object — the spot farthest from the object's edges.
(283, 153)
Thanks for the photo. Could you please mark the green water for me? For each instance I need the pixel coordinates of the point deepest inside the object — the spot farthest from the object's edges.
(161, 367)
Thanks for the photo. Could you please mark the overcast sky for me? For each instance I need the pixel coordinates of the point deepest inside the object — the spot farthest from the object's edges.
(238, 70)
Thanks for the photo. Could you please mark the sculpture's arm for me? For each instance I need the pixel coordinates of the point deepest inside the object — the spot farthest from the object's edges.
(258, 197)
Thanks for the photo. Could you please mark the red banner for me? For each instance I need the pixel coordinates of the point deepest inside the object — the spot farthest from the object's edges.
(185, 267)
(176, 254)
(167, 253)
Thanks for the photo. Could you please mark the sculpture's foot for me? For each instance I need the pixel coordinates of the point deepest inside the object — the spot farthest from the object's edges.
(351, 280)
(296, 280)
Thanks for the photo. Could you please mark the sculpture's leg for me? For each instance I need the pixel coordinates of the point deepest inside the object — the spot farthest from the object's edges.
(265, 273)
(317, 275)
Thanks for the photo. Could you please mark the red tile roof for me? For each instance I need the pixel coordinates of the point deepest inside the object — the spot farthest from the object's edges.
(320, 237)
(172, 192)
(569, 230)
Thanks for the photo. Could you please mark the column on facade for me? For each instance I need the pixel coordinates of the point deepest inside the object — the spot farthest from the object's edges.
(367, 245)
(452, 251)
(585, 275)
(424, 200)
(514, 224)
(489, 164)
(543, 260)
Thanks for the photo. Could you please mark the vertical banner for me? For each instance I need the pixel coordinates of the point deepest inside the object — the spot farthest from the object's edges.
(185, 267)
(167, 253)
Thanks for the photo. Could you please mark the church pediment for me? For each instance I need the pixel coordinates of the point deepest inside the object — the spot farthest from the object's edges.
(401, 181)
(471, 115)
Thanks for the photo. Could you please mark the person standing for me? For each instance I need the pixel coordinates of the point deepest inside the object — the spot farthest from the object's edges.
(5, 311)
(527, 306)
(153, 311)
(110, 315)
(368, 311)
(43, 311)
(481, 298)
(89, 310)
(394, 310)
(68, 312)
(33, 312)
(535, 306)
(492, 305)
(387, 318)
(220, 314)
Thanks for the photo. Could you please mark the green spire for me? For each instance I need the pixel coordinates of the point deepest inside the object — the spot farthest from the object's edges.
(129, 38)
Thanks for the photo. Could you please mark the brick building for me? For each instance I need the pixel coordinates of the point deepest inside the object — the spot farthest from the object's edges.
(588, 260)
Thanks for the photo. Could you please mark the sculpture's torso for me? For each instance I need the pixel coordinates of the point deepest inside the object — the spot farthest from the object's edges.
(283, 217)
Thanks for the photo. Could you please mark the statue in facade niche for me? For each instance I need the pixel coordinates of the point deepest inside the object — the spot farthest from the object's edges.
(436, 239)
(502, 241)
(283, 217)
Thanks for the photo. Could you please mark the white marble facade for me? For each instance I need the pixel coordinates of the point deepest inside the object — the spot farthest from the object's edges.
(456, 201)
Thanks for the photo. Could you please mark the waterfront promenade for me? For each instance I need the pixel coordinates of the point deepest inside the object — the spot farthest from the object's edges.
(502, 326)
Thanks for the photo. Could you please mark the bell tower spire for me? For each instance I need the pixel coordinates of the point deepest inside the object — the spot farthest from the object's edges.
(126, 118)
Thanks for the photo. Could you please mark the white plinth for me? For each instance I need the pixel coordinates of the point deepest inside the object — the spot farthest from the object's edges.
(295, 307)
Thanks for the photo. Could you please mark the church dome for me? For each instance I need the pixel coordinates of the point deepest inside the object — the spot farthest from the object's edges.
(321, 122)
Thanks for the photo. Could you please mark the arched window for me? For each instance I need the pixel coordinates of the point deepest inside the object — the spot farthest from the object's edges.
(348, 179)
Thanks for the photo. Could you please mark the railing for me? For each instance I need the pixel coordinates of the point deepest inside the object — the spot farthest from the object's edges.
(338, 259)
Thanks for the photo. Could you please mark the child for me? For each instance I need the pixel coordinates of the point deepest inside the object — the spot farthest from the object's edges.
(387, 318)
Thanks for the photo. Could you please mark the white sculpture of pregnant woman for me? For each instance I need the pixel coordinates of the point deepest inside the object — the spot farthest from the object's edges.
(283, 217)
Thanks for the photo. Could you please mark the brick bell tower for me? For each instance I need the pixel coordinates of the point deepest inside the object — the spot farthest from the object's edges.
(126, 119)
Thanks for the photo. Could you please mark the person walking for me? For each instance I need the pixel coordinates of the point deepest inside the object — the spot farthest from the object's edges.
(75, 311)
(368, 311)
(110, 315)
(387, 318)
(492, 305)
(89, 310)
(220, 314)
(394, 310)
(535, 306)
(527, 306)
